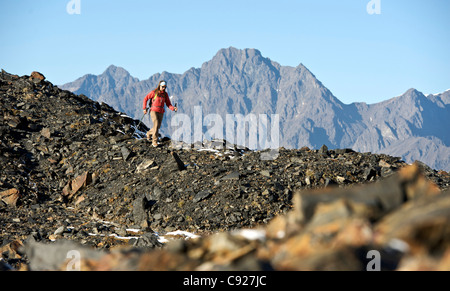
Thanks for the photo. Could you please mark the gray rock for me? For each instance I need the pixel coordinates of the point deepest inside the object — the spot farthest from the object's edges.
(202, 195)
(148, 240)
(323, 149)
(146, 164)
(265, 173)
(60, 230)
(232, 176)
(125, 153)
(139, 209)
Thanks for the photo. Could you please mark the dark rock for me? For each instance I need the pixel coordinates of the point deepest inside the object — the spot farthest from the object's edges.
(125, 153)
(148, 240)
(202, 195)
(323, 149)
(369, 173)
(156, 194)
(140, 209)
(173, 164)
(178, 161)
(5, 266)
(232, 176)
(343, 151)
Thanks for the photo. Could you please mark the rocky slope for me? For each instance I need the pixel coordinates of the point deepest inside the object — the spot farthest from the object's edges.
(411, 126)
(76, 174)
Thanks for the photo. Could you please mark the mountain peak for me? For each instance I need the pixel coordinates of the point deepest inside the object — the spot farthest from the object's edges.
(413, 91)
(233, 50)
(115, 71)
(413, 94)
(233, 53)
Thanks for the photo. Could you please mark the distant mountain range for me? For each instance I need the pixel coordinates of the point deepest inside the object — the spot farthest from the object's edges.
(413, 126)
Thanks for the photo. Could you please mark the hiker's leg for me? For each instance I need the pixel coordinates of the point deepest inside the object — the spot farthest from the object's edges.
(157, 126)
(155, 123)
(160, 119)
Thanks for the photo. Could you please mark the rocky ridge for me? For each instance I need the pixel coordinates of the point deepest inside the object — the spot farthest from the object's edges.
(76, 171)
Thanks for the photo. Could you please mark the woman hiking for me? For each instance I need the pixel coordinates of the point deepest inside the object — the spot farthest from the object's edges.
(158, 98)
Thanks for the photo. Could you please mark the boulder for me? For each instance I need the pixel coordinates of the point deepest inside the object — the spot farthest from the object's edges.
(38, 76)
(10, 197)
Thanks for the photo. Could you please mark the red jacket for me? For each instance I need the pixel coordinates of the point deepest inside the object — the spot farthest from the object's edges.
(158, 102)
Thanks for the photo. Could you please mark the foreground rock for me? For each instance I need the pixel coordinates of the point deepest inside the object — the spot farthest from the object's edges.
(76, 170)
(341, 233)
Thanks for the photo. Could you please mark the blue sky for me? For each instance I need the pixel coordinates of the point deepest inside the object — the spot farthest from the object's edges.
(360, 57)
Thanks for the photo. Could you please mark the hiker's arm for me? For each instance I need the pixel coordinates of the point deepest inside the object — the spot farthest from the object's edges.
(146, 100)
(169, 104)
